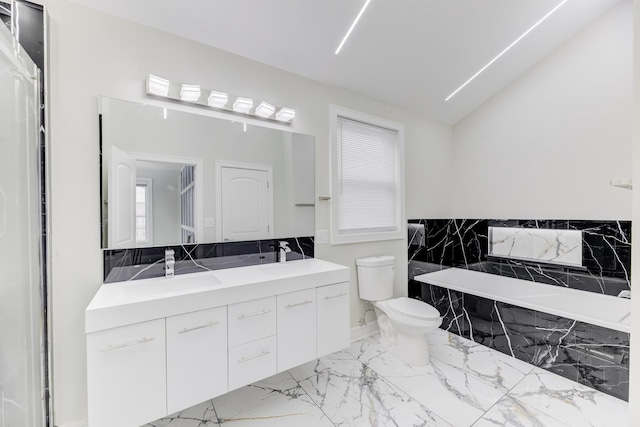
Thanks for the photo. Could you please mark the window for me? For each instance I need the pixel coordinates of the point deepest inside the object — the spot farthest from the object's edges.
(367, 192)
(144, 222)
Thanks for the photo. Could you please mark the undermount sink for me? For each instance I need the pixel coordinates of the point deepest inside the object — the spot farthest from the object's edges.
(170, 286)
(287, 268)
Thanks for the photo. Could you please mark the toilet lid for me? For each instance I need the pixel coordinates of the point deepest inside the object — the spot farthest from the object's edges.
(413, 308)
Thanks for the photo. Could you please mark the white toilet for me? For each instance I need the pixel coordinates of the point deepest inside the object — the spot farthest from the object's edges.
(404, 322)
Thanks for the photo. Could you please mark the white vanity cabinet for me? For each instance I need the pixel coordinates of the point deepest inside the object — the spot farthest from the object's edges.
(252, 341)
(159, 346)
(252, 361)
(333, 318)
(296, 328)
(196, 357)
(126, 370)
(252, 320)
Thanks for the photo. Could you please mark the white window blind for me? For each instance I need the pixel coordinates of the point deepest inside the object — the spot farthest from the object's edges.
(367, 172)
(144, 212)
(141, 213)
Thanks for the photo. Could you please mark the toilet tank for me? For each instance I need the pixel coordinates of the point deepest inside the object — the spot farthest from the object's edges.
(375, 277)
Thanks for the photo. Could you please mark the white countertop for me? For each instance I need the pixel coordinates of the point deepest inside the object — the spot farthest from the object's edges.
(124, 303)
(589, 307)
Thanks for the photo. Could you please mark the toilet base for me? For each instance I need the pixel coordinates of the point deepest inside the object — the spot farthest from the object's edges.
(411, 349)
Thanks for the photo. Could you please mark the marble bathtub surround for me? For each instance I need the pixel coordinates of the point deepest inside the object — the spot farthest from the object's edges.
(143, 263)
(606, 252)
(563, 247)
(466, 385)
(591, 355)
(416, 234)
(450, 242)
(601, 310)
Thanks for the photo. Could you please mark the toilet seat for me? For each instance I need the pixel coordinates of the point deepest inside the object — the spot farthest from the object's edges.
(413, 308)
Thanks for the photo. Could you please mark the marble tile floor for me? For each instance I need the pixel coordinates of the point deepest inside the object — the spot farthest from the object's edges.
(466, 385)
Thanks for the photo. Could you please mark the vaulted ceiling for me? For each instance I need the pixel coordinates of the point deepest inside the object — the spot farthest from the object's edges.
(409, 53)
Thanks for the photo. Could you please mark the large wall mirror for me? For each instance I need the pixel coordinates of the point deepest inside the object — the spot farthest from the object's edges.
(174, 177)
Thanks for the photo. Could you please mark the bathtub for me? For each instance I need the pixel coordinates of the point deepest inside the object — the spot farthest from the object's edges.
(580, 335)
(588, 307)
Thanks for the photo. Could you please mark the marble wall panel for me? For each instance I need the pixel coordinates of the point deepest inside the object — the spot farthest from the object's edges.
(464, 243)
(142, 263)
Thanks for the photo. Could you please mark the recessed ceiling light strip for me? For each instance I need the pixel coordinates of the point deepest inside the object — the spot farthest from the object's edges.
(193, 94)
(506, 49)
(355, 22)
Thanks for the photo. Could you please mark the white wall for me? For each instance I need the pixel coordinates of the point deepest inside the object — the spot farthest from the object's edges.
(93, 54)
(429, 169)
(548, 144)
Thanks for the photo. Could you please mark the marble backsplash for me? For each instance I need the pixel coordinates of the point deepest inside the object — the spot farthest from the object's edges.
(142, 263)
(606, 252)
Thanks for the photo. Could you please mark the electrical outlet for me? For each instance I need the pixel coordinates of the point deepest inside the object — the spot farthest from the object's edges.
(209, 222)
(322, 237)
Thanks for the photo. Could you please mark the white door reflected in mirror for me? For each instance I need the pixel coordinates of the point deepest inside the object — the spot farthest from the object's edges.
(152, 200)
(245, 201)
(121, 197)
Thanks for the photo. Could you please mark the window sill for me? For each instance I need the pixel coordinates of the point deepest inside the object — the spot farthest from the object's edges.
(346, 239)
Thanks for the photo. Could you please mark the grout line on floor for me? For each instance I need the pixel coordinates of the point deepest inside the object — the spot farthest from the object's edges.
(311, 399)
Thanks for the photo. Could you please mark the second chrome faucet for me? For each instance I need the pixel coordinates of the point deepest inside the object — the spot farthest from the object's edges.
(283, 248)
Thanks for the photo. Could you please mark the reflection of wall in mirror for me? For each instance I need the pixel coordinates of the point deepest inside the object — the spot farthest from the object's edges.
(165, 201)
(303, 162)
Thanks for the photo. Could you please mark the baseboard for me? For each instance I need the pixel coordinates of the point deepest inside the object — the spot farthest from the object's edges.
(81, 423)
(364, 331)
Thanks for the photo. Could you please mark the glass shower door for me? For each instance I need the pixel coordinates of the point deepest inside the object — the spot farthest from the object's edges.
(22, 354)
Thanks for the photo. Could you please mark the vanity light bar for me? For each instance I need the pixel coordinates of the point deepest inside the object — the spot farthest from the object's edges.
(217, 99)
(265, 110)
(285, 114)
(158, 86)
(190, 93)
(242, 105)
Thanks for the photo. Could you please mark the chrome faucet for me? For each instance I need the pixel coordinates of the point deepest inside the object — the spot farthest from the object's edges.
(169, 262)
(283, 249)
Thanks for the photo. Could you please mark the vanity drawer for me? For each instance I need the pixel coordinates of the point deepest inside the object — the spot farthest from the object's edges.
(252, 320)
(251, 362)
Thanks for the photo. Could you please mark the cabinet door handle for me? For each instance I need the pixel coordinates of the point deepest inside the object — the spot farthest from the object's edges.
(128, 344)
(246, 359)
(245, 316)
(208, 325)
(298, 304)
(341, 294)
